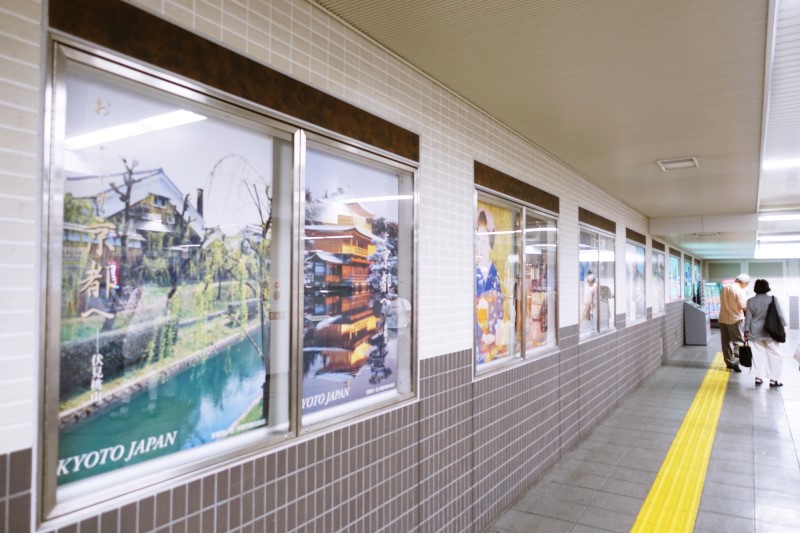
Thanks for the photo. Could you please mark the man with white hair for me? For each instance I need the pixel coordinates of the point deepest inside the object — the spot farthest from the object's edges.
(732, 306)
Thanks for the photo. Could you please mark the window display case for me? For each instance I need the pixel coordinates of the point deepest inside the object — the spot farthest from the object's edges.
(217, 279)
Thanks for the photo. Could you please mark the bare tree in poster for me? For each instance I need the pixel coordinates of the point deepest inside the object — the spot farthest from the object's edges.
(254, 261)
(124, 224)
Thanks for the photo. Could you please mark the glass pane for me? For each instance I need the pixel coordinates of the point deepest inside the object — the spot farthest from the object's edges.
(607, 282)
(697, 286)
(588, 272)
(674, 278)
(174, 313)
(687, 279)
(659, 283)
(497, 332)
(357, 297)
(634, 264)
(540, 283)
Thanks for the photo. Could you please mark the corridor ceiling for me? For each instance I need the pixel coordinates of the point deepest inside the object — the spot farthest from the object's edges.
(612, 86)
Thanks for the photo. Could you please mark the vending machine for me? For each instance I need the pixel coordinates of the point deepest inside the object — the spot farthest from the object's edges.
(712, 291)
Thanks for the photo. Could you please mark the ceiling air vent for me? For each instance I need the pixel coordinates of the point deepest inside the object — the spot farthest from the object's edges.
(676, 164)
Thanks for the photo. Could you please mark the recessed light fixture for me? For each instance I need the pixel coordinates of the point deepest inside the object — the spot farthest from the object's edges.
(377, 199)
(777, 251)
(783, 237)
(775, 164)
(779, 217)
(679, 163)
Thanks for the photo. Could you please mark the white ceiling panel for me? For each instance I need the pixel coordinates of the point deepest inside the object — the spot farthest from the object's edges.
(612, 86)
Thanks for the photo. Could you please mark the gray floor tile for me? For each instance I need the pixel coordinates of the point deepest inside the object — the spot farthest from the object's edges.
(606, 519)
(564, 492)
(766, 527)
(586, 467)
(739, 467)
(651, 464)
(724, 490)
(580, 528)
(577, 479)
(657, 443)
(730, 478)
(617, 502)
(519, 522)
(723, 523)
(732, 456)
(784, 516)
(779, 498)
(788, 483)
(728, 505)
(753, 479)
(643, 477)
(625, 488)
(550, 507)
(597, 456)
(606, 447)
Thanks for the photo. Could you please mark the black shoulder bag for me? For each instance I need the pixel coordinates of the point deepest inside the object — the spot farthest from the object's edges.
(773, 325)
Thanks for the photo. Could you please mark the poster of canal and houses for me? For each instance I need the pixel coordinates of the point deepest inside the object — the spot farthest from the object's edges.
(171, 320)
(174, 272)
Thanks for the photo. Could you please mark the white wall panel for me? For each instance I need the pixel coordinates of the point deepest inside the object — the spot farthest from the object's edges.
(20, 118)
(297, 38)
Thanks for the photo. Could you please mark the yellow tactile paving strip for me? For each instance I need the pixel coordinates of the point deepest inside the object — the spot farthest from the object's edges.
(672, 502)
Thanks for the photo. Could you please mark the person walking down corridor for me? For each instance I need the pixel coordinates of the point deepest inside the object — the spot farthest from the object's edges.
(766, 353)
(732, 305)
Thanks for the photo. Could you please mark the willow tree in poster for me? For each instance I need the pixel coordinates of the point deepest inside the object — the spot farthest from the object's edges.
(172, 322)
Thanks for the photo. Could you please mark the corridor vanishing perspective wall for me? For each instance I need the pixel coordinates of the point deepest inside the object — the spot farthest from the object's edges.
(450, 460)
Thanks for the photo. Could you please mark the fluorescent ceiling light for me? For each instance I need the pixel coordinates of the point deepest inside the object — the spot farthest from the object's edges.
(530, 230)
(537, 248)
(677, 164)
(132, 129)
(774, 164)
(590, 256)
(777, 251)
(779, 217)
(377, 199)
(328, 237)
(786, 237)
(505, 232)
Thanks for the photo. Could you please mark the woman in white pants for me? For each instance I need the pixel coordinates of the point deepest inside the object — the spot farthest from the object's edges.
(767, 358)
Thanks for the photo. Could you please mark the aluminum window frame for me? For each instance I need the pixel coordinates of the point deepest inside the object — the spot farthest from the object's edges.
(523, 209)
(53, 501)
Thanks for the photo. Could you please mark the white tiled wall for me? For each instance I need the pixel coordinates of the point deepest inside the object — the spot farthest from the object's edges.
(299, 39)
(20, 122)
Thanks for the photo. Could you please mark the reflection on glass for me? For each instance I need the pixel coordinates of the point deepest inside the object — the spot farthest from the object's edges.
(659, 283)
(588, 271)
(173, 328)
(497, 331)
(596, 281)
(674, 278)
(607, 287)
(634, 269)
(357, 277)
(539, 282)
(697, 287)
(687, 278)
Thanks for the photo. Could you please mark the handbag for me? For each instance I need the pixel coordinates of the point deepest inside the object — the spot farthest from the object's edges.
(745, 355)
(773, 325)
